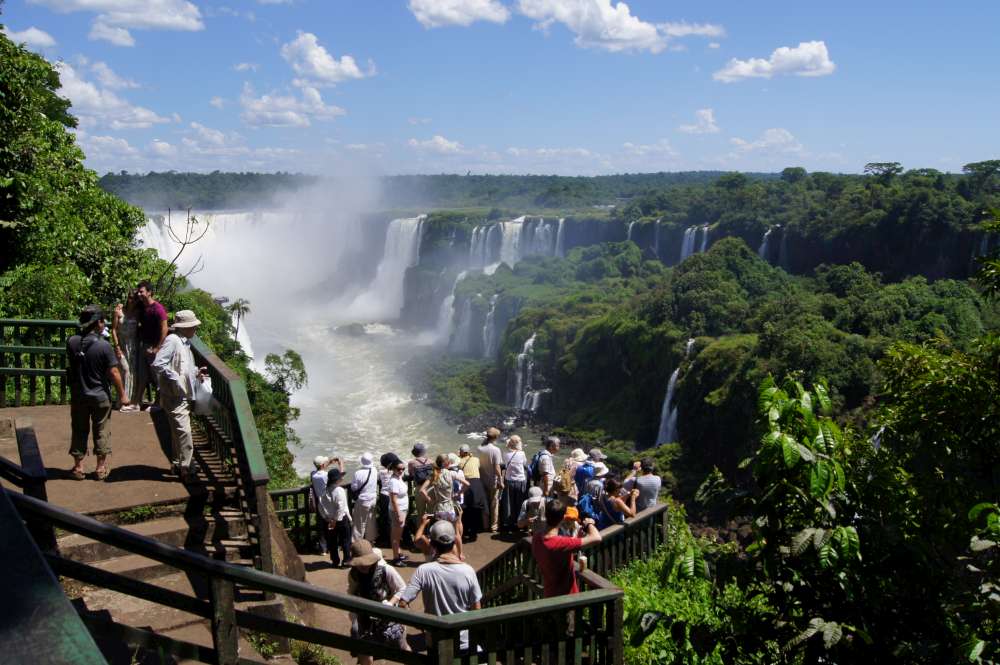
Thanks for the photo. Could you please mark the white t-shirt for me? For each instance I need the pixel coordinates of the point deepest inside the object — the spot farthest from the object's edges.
(489, 459)
(333, 505)
(545, 465)
(516, 462)
(366, 480)
(398, 487)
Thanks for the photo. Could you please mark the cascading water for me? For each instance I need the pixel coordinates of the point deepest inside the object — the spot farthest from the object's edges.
(628, 232)
(533, 399)
(783, 250)
(669, 411)
(243, 337)
(705, 230)
(687, 244)
(489, 329)
(384, 298)
(762, 250)
(510, 241)
(523, 368)
(656, 238)
(446, 314)
(561, 238)
(459, 342)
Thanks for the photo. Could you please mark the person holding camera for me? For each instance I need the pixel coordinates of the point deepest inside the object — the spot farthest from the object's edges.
(554, 553)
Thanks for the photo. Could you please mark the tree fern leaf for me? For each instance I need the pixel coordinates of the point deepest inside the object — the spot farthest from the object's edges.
(831, 634)
(801, 540)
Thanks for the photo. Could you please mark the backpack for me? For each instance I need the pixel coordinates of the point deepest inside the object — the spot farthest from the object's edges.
(535, 467)
(422, 472)
(585, 504)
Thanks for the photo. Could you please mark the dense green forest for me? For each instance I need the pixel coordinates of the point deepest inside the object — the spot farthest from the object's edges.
(66, 243)
(217, 190)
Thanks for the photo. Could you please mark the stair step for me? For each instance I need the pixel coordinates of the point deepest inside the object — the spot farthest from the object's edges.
(176, 531)
(136, 567)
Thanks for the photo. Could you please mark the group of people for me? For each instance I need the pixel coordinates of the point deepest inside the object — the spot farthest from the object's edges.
(563, 505)
(139, 348)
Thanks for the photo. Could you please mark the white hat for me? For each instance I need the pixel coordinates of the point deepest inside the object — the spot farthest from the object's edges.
(320, 460)
(600, 469)
(186, 319)
(578, 455)
(366, 459)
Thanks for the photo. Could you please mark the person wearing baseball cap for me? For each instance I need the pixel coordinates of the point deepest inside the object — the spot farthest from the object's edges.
(447, 585)
(554, 553)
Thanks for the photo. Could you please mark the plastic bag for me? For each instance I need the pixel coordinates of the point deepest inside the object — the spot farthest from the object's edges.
(202, 397)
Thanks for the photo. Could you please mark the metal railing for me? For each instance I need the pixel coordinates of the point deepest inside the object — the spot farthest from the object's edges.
(581, 628)
(33, 361)
(33, 371)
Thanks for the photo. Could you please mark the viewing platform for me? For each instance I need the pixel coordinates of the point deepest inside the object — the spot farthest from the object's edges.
(221, 570)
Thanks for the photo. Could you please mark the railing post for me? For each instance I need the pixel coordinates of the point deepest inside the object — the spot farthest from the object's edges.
(263, 506)
(443, 648)
(225, 634)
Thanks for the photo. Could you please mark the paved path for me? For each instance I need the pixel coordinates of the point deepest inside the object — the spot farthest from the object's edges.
(140, 468)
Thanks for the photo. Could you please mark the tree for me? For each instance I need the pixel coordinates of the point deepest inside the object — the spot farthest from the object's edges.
(793, 174)
(287, 371)
(884, 172)
(239, 308)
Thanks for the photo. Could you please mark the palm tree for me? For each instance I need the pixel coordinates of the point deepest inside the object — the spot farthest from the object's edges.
(239, 309)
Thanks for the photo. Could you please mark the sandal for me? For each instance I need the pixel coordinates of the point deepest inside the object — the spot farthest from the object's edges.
(102, 474)
(77, 474)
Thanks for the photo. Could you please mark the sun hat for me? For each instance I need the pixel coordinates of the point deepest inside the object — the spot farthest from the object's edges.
(600, 469)
(464, 448)
(419, 448)
(597, 455)
(185, 318)
(320, 460)
(578, 455)
(366, 459)
(442, 532)
(363, 554)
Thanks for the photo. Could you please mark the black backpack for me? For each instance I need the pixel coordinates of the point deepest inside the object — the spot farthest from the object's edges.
(422, 473)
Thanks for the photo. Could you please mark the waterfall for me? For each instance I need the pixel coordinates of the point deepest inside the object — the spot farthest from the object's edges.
(533, 399)
(446, 314)
(384, 297)
(477, 247)
(669, 411)
(656, 238)
(561, 238)
(628, 232)
(523, 368)
(243, 337)
(489, 329)
(459, 342)
(510, 242)
(762, 250)
(704, 238)
(687, 245)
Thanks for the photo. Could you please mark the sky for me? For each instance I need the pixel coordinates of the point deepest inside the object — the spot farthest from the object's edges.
(569, 87)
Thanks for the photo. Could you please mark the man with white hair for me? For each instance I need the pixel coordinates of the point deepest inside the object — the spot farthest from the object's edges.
(176, 374)
(364, 489)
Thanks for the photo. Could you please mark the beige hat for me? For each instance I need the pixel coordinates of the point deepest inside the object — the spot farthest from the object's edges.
(600, 469)
(363, 554)
(185, 318)
(578, 455)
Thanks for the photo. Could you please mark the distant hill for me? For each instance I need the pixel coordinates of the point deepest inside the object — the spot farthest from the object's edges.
(218, 190)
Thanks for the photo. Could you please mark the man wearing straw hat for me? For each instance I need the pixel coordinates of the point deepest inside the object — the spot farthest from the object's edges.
(176, 374)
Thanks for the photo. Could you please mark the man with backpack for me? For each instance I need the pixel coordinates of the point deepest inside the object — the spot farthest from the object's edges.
(363, 492)
(91, 363)
(542, 467)
(418, 470)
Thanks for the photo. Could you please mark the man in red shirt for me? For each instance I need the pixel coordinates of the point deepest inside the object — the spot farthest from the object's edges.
(554, 553)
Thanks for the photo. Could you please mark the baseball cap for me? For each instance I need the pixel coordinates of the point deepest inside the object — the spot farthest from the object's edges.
(442, 532)
(320, 460)
(572, 514)
(597, 455)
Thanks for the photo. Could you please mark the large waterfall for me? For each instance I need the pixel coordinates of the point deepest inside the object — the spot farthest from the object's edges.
(705, 230)
(669, 411)
(518, 238)
(384, 298)
(561, 238)
(524, 367)
(446, 315)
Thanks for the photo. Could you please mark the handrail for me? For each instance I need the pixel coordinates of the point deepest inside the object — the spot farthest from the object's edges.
(33, 352)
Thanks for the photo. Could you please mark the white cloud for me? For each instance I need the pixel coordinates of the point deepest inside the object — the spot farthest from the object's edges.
(774, 140)
(714, 45)
(437, 13)
(418, 121)
(116, 17)
(661, 148)
(685, 29)
(208, 135)
(438, 144)
(106, 33)
(217, 102)
(549, 153)
(806, 59)
(314, 64)
(109, 79)
(597, 24)
(105, 147)
(95, 105)
(162, 148)
(31, 37)
(704, 123)
(245, 66)
(286, 111)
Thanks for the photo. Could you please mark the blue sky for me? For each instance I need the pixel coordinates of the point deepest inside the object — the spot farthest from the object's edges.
(521, 86)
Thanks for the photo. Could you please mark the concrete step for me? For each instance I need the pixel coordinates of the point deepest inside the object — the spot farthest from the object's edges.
(176, 531)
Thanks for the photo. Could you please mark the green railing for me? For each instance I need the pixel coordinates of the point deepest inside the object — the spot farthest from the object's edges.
(582, 628)
(33, 361)
(33, 370)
